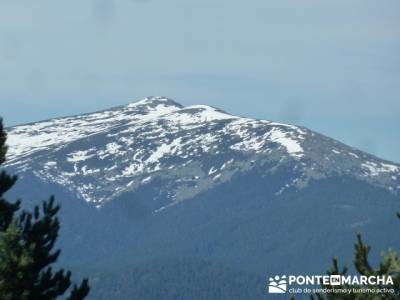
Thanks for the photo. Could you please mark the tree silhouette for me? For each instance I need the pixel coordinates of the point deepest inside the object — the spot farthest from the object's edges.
(27, 241)
(389, 266)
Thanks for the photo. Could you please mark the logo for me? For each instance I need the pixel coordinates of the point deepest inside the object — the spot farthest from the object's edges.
(277, 285)
(335, 280)
(343, 283)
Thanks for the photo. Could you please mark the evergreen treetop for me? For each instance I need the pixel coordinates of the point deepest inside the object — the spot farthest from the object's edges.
(27, 254)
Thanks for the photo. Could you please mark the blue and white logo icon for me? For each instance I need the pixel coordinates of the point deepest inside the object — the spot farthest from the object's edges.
(277, 285)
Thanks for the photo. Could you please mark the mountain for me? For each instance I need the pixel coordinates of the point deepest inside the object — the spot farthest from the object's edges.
(152, 182)
(101, 156)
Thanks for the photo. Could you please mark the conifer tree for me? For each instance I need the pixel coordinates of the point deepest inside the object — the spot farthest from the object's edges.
(389, 266)
(7, 209)
(27, 241)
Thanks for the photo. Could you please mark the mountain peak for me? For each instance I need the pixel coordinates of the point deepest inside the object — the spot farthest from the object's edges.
(30, 138)
(154, 101)
(199, 114)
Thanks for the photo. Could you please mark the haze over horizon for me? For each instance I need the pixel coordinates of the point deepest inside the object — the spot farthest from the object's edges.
(331, 66)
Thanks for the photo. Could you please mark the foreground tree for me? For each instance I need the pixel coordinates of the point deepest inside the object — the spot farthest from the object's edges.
(389, 266)
(7, 209)
(27, 241)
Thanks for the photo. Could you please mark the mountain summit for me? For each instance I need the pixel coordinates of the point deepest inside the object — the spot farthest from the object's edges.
(101, 155)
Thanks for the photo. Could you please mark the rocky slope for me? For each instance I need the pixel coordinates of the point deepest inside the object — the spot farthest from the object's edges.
(102, 155)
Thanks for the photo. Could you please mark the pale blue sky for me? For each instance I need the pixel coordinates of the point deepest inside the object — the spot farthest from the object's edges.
(330, 65)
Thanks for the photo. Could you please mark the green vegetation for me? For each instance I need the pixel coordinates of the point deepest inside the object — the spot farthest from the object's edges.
(179, 278)
(389, 266)
(27, 254)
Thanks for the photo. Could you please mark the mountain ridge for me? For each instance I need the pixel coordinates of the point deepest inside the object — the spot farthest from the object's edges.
(120, 149)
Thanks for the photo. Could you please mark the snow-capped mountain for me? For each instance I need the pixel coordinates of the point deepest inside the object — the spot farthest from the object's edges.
(157, 198)
(102, 155)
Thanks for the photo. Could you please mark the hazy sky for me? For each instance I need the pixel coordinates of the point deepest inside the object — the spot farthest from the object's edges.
(333, 66)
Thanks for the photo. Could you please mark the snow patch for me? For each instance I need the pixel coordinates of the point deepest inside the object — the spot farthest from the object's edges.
(292, 146)
(375, 169)
(79, 156)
